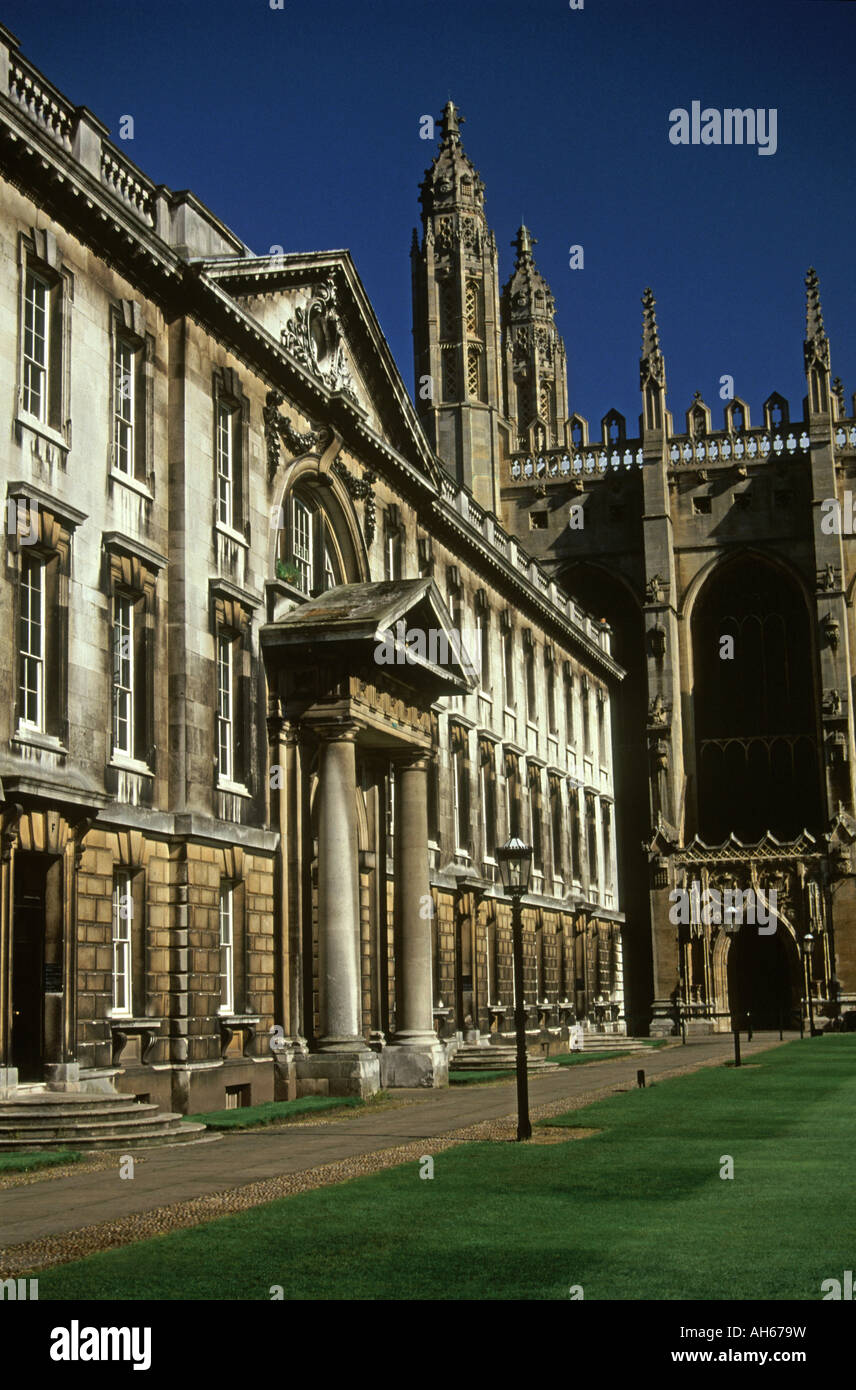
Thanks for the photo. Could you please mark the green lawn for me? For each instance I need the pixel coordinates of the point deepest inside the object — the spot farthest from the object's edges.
(274, 1112)
(25, 1163)
(637, 1211)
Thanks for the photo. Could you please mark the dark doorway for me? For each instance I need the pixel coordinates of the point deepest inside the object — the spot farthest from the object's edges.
(28, 965)
(763, 979)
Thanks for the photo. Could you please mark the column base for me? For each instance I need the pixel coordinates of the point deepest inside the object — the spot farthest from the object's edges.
(348, 1073)
(8, 1082)
(415, 1064)
(62, 1076)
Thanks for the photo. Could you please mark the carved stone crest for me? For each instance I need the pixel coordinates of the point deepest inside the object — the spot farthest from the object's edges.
(314, 337)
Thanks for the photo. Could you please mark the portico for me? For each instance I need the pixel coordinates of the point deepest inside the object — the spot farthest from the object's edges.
(355, 970)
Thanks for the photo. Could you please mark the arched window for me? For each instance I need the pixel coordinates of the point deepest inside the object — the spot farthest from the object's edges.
(754, 699)
(311, 556)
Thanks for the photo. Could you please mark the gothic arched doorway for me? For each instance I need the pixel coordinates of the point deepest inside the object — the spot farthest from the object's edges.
(763, 974)
(754, 703)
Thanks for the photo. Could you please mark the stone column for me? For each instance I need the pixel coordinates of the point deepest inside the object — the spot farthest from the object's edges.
(415, 1057)
(344, 1061)
(338, 895)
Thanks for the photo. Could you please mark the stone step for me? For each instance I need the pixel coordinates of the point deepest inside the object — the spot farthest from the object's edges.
(58, 1129)
(186, 1133)
(52, 1119)
(474, 1058)
(34, 1114)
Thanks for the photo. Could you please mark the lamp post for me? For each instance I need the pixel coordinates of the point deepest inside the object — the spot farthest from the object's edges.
(515, 863)
(807, 944)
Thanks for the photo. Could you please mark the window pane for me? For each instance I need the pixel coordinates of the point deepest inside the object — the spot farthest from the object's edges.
(123, 407)
(31, 643)
(36, 297)
(301, 543)
(123, 676)
(225, 466)
(122, 916)
(227, 978)
(224, 709)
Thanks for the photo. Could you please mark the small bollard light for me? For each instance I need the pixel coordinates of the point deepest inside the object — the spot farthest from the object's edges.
(640, 1079)
(748, 1026)
(736, 1047)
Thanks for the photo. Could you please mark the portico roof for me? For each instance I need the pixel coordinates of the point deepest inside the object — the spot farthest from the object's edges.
(404, 621)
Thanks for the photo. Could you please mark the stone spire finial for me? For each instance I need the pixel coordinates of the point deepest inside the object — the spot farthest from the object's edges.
(523, 244)
(450, 123)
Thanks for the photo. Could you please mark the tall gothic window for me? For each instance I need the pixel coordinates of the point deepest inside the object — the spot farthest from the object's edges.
(755, 717)
(472, 309)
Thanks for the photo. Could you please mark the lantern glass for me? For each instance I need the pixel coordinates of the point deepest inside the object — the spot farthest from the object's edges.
(515, 865)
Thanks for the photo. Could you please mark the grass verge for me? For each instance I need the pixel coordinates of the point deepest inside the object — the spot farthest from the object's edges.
(26, 1163)
(274, 1112)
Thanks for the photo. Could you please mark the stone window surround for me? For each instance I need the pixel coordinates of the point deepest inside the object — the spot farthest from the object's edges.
(52, 524)
(232, 615)
(128, 323)
(227, 390)
(131, 571)
(38, 251)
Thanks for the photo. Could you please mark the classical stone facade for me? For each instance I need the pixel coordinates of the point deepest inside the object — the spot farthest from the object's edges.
(278, 682)
(722, 554)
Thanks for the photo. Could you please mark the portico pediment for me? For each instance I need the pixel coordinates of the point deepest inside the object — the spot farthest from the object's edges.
(396, 632)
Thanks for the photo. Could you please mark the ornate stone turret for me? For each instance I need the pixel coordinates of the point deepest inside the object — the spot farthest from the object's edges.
(536, 374)
(815, 350)
(456, 330)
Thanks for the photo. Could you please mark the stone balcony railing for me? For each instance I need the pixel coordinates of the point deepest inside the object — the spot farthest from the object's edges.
(487, 525)
(75, 130)
(721, 449)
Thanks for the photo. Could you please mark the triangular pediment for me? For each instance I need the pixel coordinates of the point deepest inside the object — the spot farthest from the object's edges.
(402, 625)
(315, 309)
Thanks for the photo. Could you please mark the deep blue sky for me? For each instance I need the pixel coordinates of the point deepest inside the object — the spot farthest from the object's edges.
(301, 127)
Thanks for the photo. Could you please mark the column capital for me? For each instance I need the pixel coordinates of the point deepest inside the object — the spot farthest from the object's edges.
(413, 759)
(342, 731)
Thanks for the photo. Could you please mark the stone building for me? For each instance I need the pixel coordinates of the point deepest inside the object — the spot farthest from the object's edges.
(278, 683)
(721, 552)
